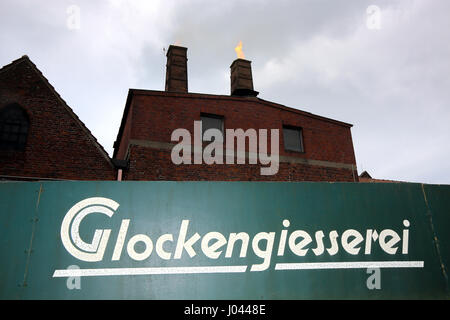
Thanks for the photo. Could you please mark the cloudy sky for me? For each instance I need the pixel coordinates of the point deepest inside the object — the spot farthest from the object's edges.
(383, 66)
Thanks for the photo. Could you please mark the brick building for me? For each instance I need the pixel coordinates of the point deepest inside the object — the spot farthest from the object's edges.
(59, 146)
(312, 148)
(40, 135)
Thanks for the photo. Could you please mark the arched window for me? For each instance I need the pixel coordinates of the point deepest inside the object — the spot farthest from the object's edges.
(14, 125)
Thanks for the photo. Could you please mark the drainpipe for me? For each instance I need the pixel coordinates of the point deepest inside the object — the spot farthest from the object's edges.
(120, 165)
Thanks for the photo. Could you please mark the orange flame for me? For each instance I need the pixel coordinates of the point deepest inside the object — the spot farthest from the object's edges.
(239, 52)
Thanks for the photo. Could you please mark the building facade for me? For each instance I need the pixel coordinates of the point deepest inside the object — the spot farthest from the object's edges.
(55, 144)
(311, 147)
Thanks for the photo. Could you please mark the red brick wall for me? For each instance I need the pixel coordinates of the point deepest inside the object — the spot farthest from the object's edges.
(152, 164)
(157, 114)
(58, 147)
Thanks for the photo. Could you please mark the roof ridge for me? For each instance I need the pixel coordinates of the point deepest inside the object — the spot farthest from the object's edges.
(64, 103)
(18, 60)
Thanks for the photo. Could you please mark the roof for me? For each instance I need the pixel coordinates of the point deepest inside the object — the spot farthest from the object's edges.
(366, 177)
(132, 92)
(26, 59)
(365, 174)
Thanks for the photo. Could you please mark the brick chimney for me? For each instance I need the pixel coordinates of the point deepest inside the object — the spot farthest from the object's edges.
(176, 69)
(241, 78)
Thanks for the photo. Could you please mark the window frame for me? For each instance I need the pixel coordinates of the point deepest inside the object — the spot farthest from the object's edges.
(300, 131)
(212, 116)
(22, 123)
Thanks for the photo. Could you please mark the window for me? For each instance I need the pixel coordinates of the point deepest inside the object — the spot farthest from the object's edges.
(292, 138)
(14, 125)
(211, 121)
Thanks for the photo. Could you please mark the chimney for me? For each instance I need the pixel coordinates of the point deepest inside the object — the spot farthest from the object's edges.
(176, 69)
(241, 78)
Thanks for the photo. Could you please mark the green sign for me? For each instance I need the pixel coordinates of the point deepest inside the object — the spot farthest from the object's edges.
(223, 240)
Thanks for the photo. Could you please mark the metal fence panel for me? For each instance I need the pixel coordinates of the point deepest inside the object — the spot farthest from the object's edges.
(370, 222)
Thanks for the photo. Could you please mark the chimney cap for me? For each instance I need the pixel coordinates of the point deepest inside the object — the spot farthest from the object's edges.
(242, 61)
(175, 47)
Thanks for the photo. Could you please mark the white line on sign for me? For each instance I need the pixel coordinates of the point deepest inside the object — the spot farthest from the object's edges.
(349, 265)
(145, 271)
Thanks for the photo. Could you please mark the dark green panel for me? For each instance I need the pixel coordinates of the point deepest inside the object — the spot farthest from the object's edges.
(18, 202)
(157, 208)
(438, 201)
